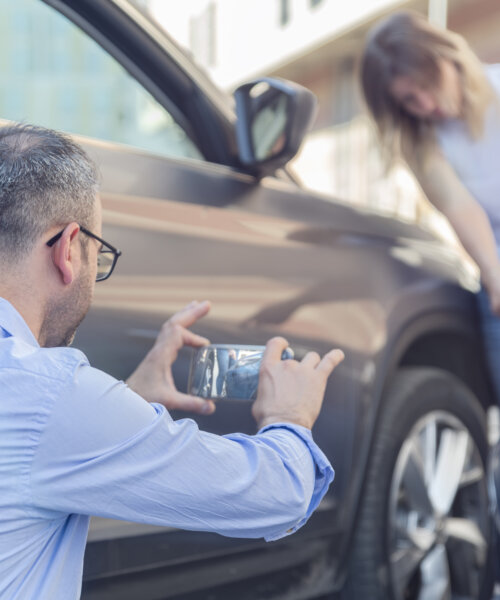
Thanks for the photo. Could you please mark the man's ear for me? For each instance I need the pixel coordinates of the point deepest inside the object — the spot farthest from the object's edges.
(63, 255)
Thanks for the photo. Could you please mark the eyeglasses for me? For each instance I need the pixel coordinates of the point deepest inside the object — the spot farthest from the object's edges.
(106, 259)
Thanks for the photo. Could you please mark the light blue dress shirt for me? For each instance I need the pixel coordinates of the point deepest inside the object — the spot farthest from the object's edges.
(76, 442)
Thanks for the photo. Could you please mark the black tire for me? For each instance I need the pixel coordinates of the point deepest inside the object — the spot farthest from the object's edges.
(417, 398)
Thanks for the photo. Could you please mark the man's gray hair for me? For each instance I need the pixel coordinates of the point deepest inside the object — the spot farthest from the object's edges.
(45, 180)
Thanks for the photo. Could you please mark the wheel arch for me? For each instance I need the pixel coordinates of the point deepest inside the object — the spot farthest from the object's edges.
(448, 340)
(455, 353)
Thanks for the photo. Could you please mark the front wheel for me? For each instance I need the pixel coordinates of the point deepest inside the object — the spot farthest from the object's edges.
(424, 531)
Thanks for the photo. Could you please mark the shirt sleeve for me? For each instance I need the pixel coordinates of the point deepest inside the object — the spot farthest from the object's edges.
(104, 451)
(323, 471)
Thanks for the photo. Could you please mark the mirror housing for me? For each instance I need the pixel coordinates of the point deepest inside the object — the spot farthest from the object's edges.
(273, 116)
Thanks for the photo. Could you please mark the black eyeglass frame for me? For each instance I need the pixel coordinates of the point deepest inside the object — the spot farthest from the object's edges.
(116, 253)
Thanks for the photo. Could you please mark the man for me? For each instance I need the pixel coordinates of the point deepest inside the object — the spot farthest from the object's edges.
(76, 442)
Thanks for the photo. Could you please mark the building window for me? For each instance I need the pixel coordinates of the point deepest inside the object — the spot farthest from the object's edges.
(284, 12)
(57, 76)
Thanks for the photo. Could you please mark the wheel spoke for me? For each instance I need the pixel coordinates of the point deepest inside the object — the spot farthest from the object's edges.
(465, 530)
(420, 538)
(429, 446)
(450, 465)
(471, 476)
(414, 482)
(423, 539)
(405, 562)
(435, 573)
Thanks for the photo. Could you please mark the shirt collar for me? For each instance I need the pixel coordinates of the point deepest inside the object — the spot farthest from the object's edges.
(13, 323)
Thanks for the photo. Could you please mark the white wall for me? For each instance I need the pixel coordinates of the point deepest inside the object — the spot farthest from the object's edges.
(249, 36)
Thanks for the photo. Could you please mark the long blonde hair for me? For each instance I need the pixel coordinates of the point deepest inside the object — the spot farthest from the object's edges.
(406, 44)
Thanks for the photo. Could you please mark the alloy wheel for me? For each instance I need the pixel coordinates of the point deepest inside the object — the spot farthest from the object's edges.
(437, 520)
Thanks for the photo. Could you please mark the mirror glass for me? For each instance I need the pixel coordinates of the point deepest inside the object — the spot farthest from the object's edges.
(268, 125)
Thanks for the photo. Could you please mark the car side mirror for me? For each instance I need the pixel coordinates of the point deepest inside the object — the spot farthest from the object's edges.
(273, 116)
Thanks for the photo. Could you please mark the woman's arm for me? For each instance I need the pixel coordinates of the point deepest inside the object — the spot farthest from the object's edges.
(447, 193)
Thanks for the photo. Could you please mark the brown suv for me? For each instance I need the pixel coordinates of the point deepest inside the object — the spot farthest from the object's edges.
(201, 212)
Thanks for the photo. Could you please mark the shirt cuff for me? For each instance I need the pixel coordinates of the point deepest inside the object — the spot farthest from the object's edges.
(324, 473)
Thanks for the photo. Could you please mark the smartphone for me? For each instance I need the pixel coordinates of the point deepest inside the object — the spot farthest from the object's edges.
(227, 371)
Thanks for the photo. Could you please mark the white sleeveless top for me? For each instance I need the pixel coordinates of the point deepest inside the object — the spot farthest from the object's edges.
(477, 162)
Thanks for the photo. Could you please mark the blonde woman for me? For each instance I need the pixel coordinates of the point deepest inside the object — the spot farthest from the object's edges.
(438, 107)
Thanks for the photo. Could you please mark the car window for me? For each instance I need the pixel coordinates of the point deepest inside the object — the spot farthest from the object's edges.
(55, 75)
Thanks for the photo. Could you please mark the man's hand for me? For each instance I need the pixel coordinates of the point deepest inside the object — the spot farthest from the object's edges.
(153, 377)
(291, 391)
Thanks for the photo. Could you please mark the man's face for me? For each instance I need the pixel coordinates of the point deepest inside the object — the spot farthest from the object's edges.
(63, 315)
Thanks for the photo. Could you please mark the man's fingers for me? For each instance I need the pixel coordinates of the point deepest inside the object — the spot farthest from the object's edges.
(330, 361)
(311, 359)
(181, 401)
(190, 313)
(274, 350)
(192, 339)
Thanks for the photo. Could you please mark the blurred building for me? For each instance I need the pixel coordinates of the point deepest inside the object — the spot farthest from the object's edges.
(317, 43)
(56, 76)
